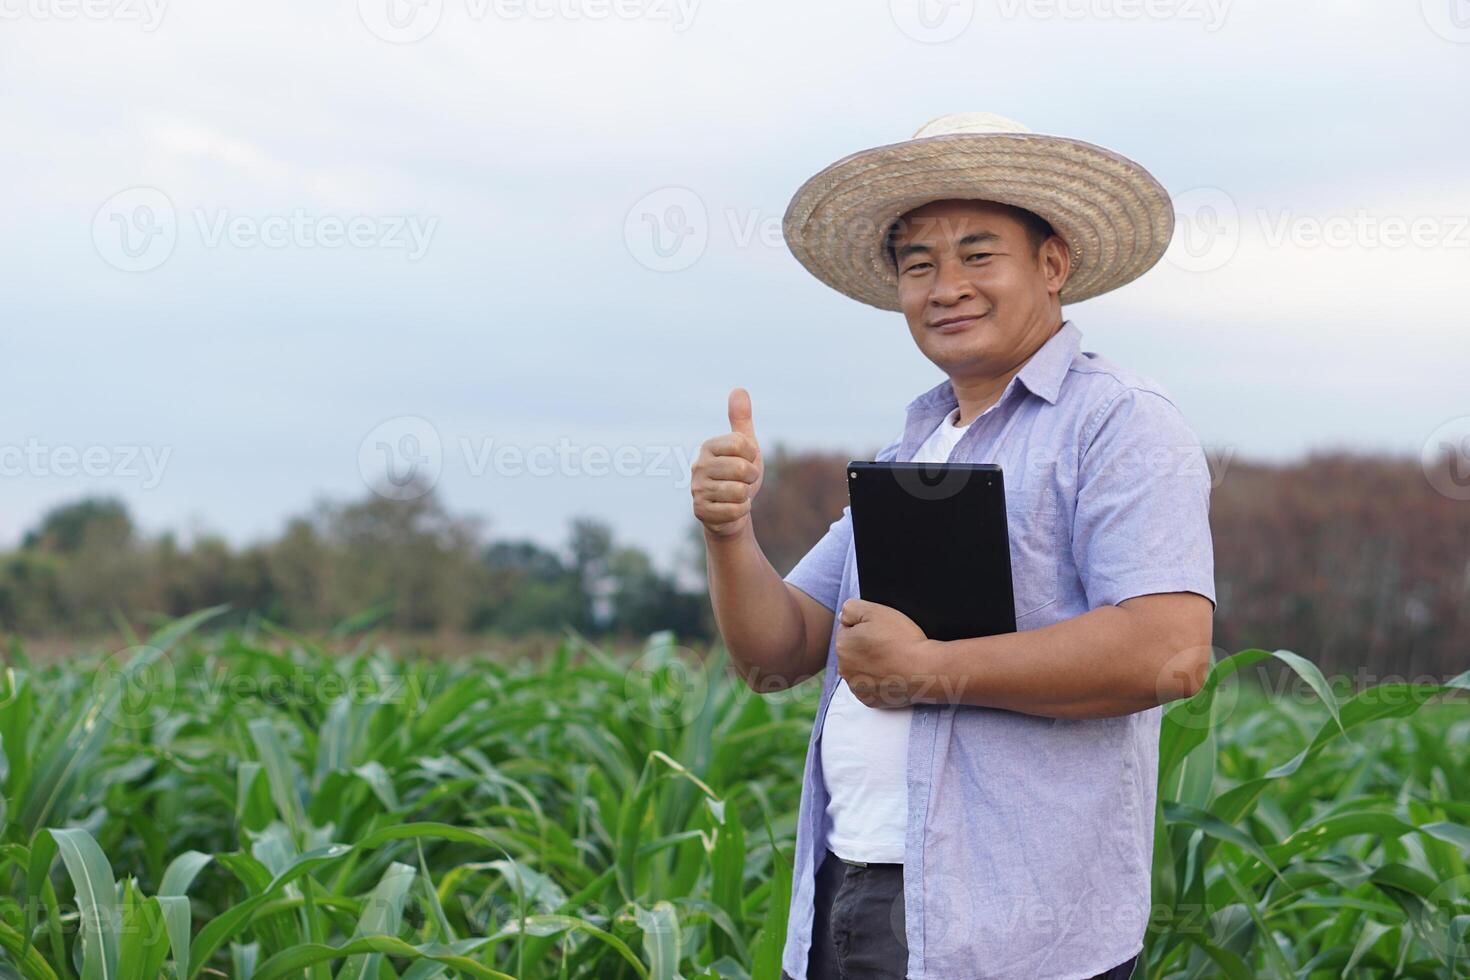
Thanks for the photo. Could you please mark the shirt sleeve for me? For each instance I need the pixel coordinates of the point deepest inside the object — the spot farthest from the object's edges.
(819, 573)
(1142, 523)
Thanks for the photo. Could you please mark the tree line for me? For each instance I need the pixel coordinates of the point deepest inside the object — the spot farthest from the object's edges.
(409, 565)
(1355, 561)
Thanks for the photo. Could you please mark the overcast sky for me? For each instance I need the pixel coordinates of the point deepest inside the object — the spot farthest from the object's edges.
(250, 245)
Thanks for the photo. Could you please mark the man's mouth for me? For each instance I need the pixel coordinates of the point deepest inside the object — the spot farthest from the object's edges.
(954, 324)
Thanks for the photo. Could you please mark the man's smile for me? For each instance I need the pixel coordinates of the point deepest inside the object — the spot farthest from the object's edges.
(955, 324)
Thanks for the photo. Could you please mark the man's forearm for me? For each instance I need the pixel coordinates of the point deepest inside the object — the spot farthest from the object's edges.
(1095, 665)
(755, 612)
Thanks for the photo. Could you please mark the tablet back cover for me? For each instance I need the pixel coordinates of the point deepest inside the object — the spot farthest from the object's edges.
(932, 542)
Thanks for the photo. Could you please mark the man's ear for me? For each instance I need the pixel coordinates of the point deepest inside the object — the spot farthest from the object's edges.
(1056, 263)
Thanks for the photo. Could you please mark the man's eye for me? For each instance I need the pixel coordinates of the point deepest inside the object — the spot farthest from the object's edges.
(979, 255)
(917, 266)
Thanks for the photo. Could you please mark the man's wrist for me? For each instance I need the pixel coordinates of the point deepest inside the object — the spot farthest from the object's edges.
(724, 540)
(933, 660)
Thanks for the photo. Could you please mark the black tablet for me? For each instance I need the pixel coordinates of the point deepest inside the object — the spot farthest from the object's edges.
(932, 543)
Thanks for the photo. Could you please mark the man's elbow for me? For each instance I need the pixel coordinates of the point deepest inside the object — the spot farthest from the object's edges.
(1187, 656)
(1191, 668)
(1180, 631)
(763, 681)
(771, 673)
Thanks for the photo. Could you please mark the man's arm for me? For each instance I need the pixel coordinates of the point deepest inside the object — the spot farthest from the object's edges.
(1112, 660)
(777, 635)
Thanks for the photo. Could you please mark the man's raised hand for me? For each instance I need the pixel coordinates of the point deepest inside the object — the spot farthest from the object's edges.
(727, 473)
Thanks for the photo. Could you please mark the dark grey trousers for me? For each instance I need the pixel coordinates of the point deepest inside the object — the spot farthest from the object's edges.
(858, 926)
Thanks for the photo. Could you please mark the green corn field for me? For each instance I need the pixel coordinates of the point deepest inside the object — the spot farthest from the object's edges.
(244, 803)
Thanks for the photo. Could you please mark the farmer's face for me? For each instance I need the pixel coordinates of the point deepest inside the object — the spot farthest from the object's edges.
(977, 301)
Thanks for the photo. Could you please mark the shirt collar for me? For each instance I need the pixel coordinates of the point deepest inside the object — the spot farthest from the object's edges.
(1042, 374)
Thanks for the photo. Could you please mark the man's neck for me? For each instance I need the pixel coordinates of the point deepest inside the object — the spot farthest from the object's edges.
(976, 393)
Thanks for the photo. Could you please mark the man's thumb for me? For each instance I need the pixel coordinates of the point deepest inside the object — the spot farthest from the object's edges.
(740, 420)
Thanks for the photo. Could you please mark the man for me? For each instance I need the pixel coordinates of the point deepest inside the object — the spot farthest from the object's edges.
(984, 807)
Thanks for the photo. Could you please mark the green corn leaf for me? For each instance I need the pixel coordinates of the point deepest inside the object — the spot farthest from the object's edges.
(661, 940)
(177, 921)
(289, 963)
(96, 897)
(765, 951)
(28, 960)
(382, 915)
(144, 940)
(181, 872)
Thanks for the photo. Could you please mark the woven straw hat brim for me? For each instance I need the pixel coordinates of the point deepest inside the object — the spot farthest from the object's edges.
(1115, 217)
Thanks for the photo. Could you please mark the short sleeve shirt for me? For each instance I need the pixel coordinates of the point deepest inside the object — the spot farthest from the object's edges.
(1029, 841)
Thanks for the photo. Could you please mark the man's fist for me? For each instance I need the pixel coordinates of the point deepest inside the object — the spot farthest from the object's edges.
(727, 473)
(881, 655)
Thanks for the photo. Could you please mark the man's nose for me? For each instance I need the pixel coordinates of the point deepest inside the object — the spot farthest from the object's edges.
(951, 285)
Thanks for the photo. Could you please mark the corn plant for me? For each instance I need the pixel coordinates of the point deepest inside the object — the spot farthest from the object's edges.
(247, 804)
(1324, 838)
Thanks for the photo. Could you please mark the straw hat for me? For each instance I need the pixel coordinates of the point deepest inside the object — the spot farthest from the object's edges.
(1114, 216)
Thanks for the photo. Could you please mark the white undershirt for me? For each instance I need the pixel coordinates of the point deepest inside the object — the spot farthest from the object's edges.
(865, 750)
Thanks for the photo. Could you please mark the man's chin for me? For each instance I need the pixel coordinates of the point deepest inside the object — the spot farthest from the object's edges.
(957, 359)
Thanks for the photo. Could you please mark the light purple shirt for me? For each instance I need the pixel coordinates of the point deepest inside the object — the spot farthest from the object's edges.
(1030, 839)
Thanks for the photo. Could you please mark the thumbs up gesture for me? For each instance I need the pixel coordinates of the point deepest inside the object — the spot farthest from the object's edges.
(727, 473)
